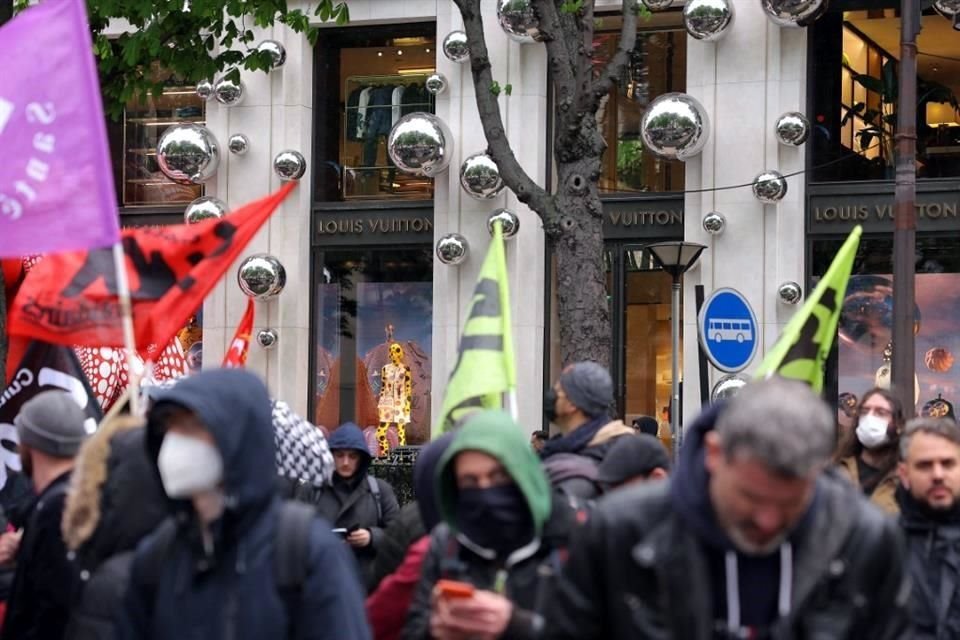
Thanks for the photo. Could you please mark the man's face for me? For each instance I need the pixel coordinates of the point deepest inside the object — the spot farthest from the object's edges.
(931, 471)
(564, 408)
(476, 470)
(186, 423)
(347, 461)
(756, 508)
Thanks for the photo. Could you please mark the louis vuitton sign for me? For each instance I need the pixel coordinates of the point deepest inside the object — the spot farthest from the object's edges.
(836, 213)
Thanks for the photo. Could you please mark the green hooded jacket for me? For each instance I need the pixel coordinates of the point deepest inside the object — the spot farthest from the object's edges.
(496, 434)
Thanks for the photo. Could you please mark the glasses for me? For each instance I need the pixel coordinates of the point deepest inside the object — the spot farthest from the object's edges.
(882, 412)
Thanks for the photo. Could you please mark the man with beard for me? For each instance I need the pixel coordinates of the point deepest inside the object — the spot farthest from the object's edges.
(749, 539)
(929, 473)
(51, 430)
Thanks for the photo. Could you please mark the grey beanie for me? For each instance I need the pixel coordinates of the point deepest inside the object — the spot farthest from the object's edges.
(53, 423)
(589, 387)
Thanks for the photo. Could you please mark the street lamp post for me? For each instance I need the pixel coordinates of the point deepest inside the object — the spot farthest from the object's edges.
(675, 258)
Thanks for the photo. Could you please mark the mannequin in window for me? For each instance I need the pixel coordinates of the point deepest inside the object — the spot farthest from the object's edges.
(396, 391)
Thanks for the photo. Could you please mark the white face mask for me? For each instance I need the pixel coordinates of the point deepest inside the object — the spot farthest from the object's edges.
(188, 466)
(872, 431)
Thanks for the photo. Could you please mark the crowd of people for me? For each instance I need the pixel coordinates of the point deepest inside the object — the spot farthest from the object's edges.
(768, 522)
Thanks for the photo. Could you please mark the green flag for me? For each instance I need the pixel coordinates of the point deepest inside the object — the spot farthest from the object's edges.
(805, 343)
(485, 367)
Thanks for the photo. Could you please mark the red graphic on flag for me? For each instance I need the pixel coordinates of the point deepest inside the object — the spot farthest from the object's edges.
(236, 356)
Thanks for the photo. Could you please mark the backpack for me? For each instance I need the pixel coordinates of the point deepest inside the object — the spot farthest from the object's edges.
(375, 490)
(561, 467)
(291, 560)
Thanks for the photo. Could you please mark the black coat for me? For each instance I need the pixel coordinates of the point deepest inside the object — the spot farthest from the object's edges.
(45, 579)
(405, 529)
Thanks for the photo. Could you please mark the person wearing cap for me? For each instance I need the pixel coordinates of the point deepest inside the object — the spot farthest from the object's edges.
(579, 404)
(633, 460)
(51, 429)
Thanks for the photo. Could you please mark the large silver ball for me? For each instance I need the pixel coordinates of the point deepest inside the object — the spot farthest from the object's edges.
(290, 165)
(204, 208)
(675, 126)
(509, 222)
(228, 92)
(480, 177)
(769, 187)
(267, 338)
(727, 387)
(188, 153)
(794, 13)
(708, 20)
(204, 89)
(261, 276)
(714, 223)
(519, 20)
(452, 249)
(421, 144)
(657, 5)
(436, 83)
(789, 292)
(455, 47)
(238, 144)
(947, 8)
(792, 129)
(278, 54)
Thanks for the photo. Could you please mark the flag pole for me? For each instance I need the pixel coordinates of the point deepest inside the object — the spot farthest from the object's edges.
(126, 317)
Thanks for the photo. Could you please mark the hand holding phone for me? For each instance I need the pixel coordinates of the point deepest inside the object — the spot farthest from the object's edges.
(454, 590)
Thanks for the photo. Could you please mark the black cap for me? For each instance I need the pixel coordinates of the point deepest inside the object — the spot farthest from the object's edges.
(632, 456)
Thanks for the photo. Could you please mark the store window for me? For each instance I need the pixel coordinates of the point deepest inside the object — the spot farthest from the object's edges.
(657, 65)
(367, 303)
(368, 79)
(853, 84)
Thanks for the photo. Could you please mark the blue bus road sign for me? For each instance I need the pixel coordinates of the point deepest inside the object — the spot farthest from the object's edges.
(728, 330)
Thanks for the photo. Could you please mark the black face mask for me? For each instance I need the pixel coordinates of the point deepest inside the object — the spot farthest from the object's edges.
(496, 518)
(550, 405)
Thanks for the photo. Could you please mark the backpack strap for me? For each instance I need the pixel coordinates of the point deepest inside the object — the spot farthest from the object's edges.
(292, 557)
(375, 490)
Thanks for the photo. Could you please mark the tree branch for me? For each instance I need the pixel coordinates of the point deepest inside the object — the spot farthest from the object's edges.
(628, 39)
(559, 56)
(498, 146)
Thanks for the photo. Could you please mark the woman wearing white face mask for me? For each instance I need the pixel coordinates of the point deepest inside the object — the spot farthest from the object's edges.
(868, 454)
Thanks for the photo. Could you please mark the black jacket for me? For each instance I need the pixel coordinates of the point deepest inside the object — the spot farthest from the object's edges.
(45, 579)
(230, 591)
(571, 462)
(405, 529)
(640, 569)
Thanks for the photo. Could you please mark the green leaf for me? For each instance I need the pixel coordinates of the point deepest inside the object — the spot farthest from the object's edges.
(508, 89)
(495, 88)
(571, 6)
(866, 137)
(869, 83)
(889, 75)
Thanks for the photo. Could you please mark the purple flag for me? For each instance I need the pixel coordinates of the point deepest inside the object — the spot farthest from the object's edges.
(56, 180)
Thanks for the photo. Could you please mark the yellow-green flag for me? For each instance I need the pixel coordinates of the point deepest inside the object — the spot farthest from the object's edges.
(485, 368)
(805, 343)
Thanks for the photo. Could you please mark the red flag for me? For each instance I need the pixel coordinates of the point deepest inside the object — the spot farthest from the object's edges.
(71, 298)
(237, 354)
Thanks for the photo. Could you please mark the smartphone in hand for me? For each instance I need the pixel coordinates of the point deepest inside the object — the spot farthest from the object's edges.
(454, 589)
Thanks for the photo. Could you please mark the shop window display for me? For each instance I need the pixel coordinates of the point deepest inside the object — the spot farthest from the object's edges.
(373, 317)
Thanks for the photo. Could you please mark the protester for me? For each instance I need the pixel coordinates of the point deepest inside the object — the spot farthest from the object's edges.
(303, 455)
(633, 460)
(503, 538)
(929, 498)
(868, 457)
(358, 505)
(236, 561)
(51, 429)
(538, 439)
(115, 500)
(647, 425)
(579, 404)
(749, 539)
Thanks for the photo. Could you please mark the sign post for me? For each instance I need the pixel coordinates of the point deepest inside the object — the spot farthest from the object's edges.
(728, 330)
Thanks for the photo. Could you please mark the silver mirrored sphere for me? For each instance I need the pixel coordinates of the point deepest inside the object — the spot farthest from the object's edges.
(708, 20)
(714, 223)
(675, 126)
(436, 83)
(509, 222)
(228, 92)
(261, 276)
(770, 187)
(452, 249)
(727, 387)
(455, 47)
(188, 153)
(792, 129)
(947, 8)
(480, 177)
(204, 208)
(421, 144)
(794, 13)
(789, 292)
(518, 19)
(657, 5)
(267, 338)
(277, 53)
(238, 144)
(290, 165)
(204, 89)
